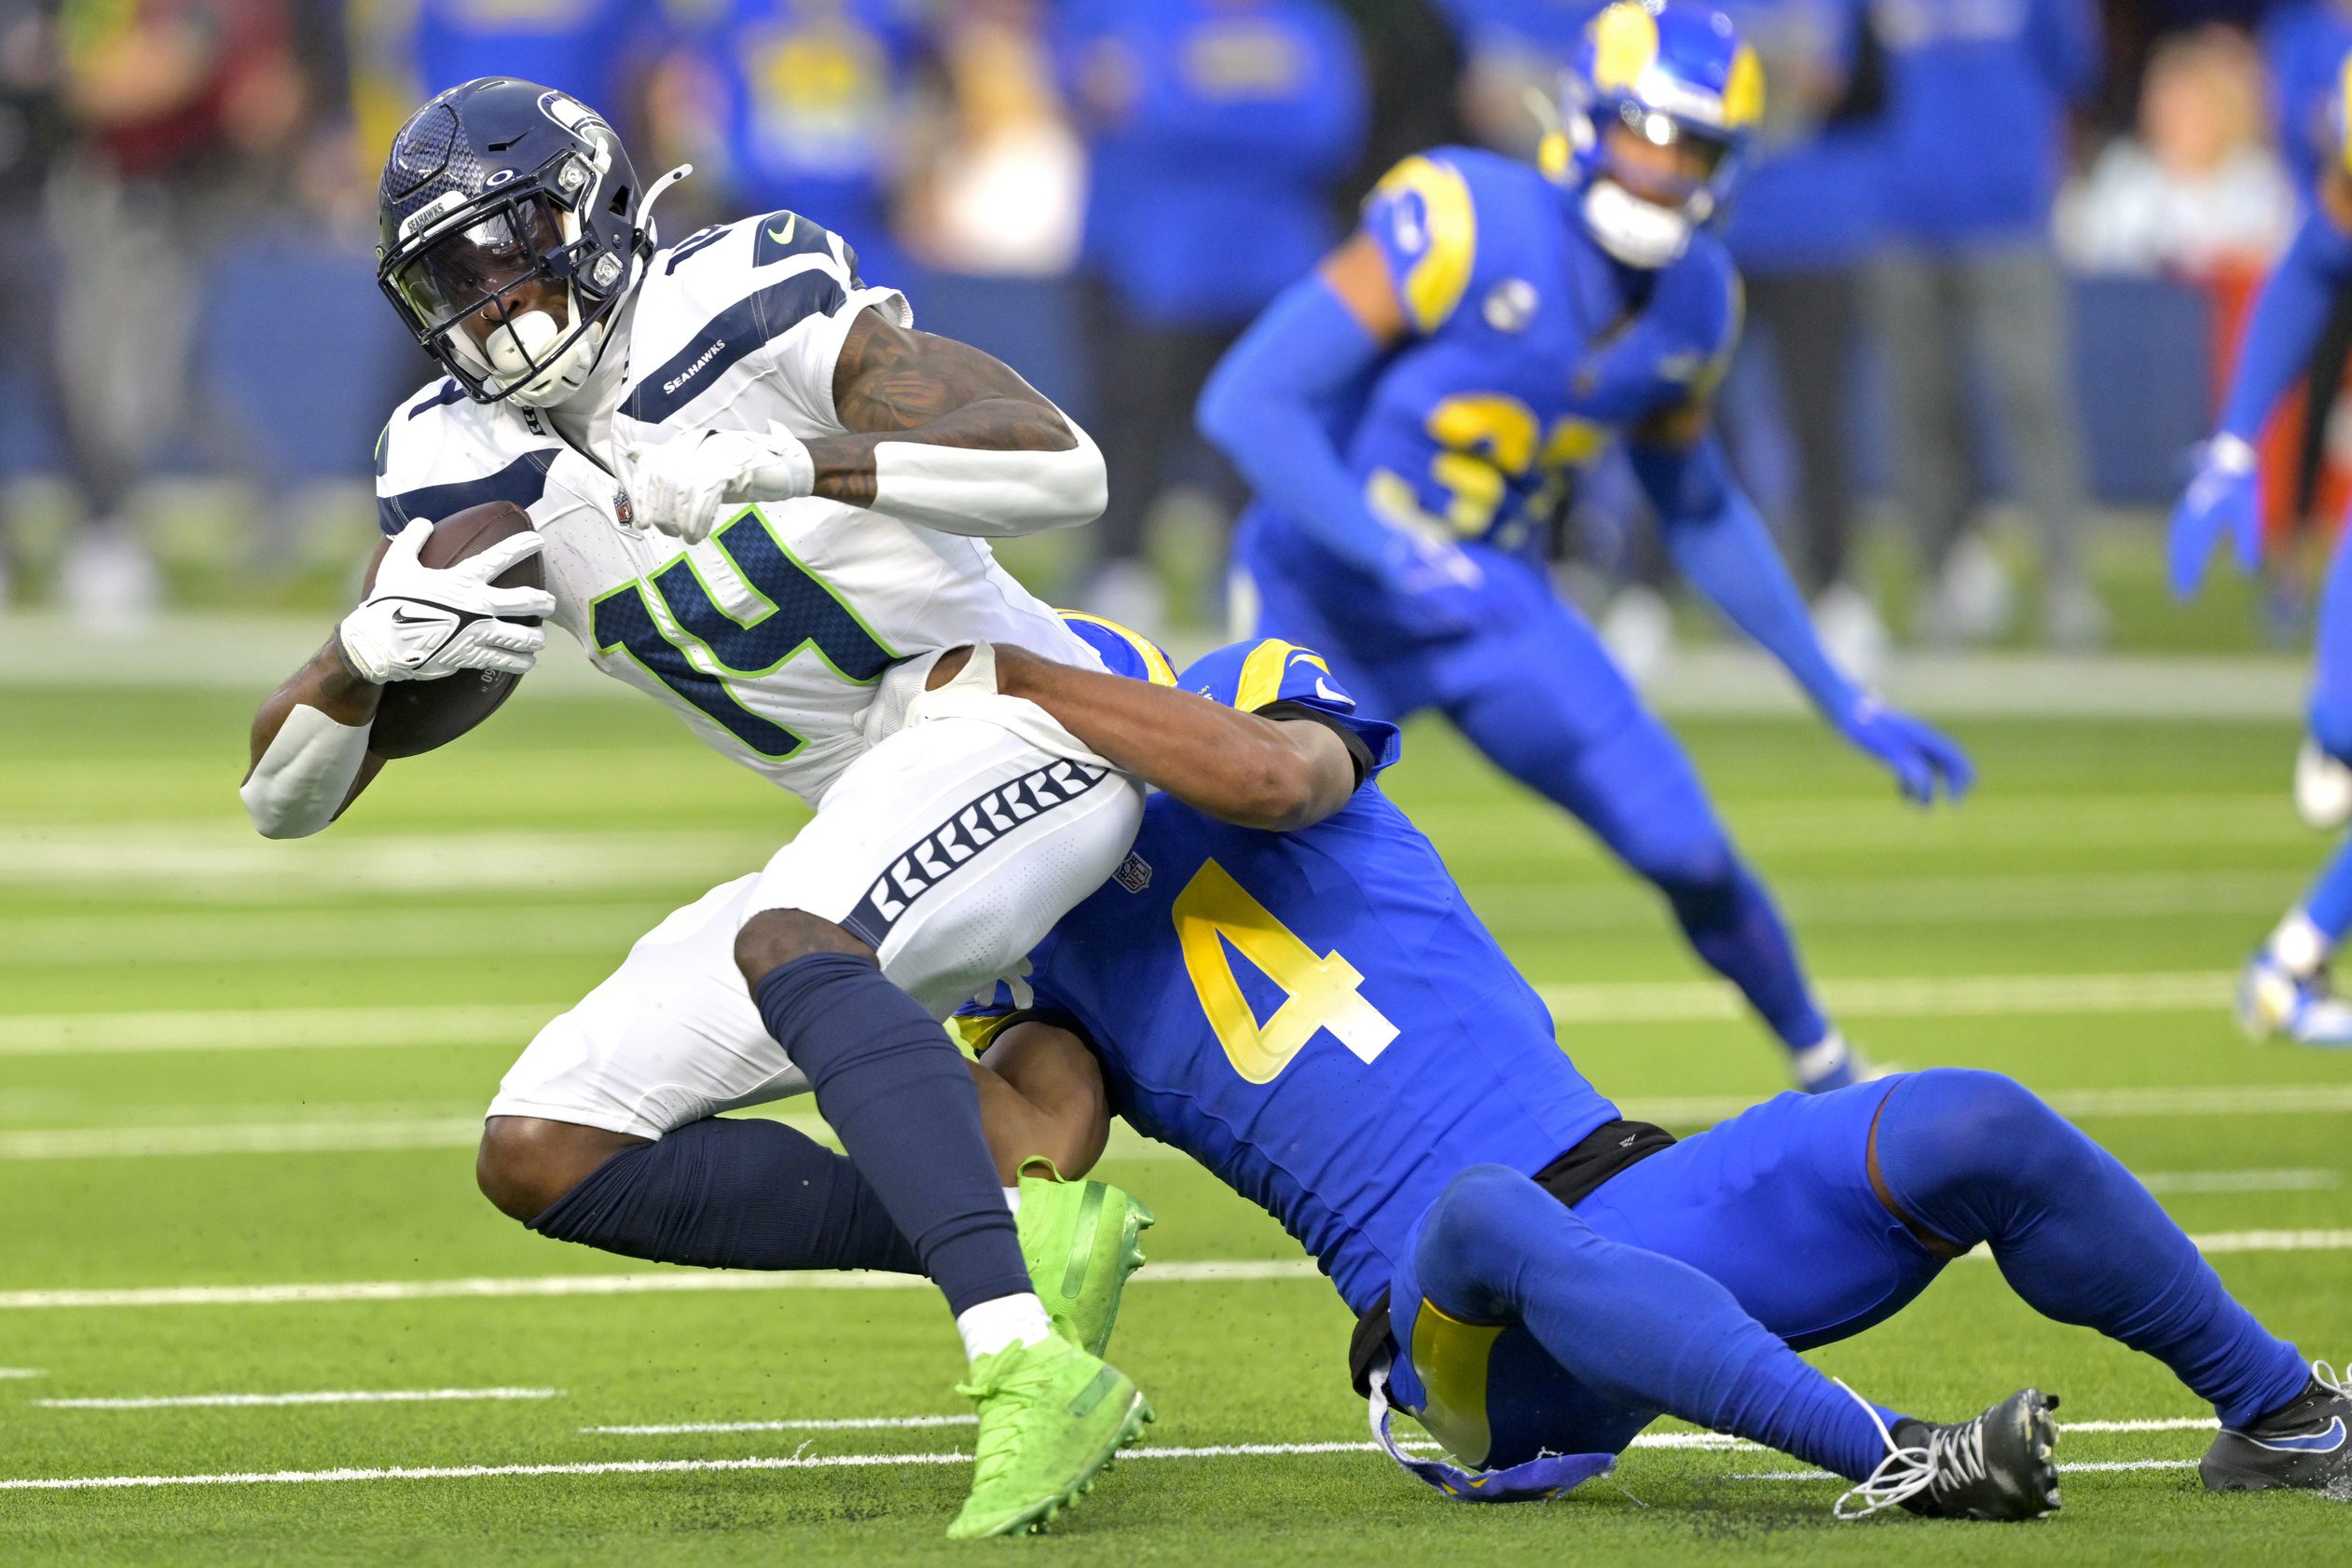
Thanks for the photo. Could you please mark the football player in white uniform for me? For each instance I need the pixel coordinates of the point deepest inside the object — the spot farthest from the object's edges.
(761, 498)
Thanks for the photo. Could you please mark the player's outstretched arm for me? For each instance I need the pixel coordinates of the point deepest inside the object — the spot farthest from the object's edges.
(1721, 544)
(1254, 772)
(934, 431)
(2288, 319)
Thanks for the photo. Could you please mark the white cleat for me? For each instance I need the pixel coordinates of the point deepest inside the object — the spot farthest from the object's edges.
(2323, 790)
(2272, 1000)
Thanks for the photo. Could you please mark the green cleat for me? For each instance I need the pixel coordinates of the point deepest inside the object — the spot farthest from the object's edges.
(1080, 1240)
(1050, 1418)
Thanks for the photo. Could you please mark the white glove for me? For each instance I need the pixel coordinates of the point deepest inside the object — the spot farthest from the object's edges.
(421, 622)
(680, 486)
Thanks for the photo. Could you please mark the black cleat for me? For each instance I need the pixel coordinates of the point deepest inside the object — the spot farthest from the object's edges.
(2305, 1443)
(1997, 1467)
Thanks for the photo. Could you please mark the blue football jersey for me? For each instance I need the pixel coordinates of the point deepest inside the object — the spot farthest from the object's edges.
(1530, 351)
(1315, 1016)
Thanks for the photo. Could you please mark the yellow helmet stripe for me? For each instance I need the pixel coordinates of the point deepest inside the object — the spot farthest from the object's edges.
(1263, 669)
(1624, 43)
(1155, 663)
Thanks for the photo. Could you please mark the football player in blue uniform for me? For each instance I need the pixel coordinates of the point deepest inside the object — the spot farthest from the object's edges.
(1316, 1017)
(2284, 987)
(1411, 413)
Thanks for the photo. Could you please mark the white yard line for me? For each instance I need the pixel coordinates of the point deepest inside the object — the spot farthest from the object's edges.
(12, 1374)
(2075, 1468)
(1945, 900)
(324, 1136)
(354, 1397)
(663, 1283)
(688, 1281)
(510, 1025)
(1966, 996)
(805, 1462)
(836, 1423)
(2240, 1181)
(2238, 1099)
(1664, 1002)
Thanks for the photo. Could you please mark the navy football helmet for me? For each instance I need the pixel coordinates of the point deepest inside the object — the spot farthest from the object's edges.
(513, 224)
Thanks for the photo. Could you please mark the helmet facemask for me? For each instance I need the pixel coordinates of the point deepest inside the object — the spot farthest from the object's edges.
(1651, 180)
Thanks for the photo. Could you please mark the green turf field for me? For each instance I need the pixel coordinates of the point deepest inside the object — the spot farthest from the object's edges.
(230, 1068)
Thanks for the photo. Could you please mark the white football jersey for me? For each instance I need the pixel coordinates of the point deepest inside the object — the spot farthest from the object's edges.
(769, 636)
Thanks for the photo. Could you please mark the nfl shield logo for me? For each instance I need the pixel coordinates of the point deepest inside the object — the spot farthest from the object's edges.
(1134, 873)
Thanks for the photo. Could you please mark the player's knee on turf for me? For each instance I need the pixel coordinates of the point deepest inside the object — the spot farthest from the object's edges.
(775, 937)
(526, 1165)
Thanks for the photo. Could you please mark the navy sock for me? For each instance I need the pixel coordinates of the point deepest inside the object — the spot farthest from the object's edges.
(1737, 929)
(901, 1100)
(1974, 1157)
(732, 1194)
(1640, 1327)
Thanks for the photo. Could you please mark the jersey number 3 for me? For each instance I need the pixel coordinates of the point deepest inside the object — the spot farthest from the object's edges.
(802, 612)
(1215, 912)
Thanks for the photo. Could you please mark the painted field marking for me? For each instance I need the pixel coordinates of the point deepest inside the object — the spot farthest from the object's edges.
(10, 1374)
(1614, 1003)
(352, 1397)
(650, 1283)
(836, 1423)
(323, 1136)
(2238, 1099)
(79, 1034)
(805, 1461)
(2088, 1467)
(2240, 1181)
(685, 1281)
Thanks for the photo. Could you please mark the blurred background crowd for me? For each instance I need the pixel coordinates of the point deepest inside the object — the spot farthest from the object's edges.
(1996, 251)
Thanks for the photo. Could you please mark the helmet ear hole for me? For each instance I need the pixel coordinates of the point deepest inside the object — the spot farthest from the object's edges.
(619, 205)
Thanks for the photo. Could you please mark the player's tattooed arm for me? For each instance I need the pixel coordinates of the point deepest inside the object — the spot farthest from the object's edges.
(892, 383)
(1251, 771)
(940, 434)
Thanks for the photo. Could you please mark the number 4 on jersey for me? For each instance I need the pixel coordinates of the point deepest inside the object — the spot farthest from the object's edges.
(1322, 992)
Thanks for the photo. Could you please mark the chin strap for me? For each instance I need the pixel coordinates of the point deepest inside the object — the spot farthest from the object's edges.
(1551, 1475)
(1638, 233)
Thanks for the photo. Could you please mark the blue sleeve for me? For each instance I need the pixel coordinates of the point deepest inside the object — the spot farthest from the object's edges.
(1719, 540)
(2286, 321)
(1262, 407)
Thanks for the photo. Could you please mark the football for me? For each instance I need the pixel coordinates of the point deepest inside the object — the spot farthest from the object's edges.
(416, 716)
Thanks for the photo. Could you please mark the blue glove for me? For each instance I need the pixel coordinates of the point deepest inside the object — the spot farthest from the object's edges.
(1917, 754)
(2222, 498)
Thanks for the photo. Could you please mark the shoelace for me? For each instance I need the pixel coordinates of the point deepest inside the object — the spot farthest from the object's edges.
(2324, 1373)
(1954, 1453)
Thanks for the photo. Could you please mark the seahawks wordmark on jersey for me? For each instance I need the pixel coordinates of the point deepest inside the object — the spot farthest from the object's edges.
(769, 636)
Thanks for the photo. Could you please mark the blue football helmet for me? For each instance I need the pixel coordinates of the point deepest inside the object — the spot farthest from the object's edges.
(512, 224)
(1671, 76)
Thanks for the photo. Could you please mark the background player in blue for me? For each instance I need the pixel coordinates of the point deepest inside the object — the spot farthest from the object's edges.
(1411, 413)
(2285, 988)
(1316, 1017)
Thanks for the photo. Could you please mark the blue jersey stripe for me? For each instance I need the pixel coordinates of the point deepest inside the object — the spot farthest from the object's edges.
(740, 329)
(522, 482)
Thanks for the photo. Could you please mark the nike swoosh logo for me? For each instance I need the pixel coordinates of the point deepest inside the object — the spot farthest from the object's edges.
(1323, 690)
(2327, 1441)
(402, 618)
(784, 235)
